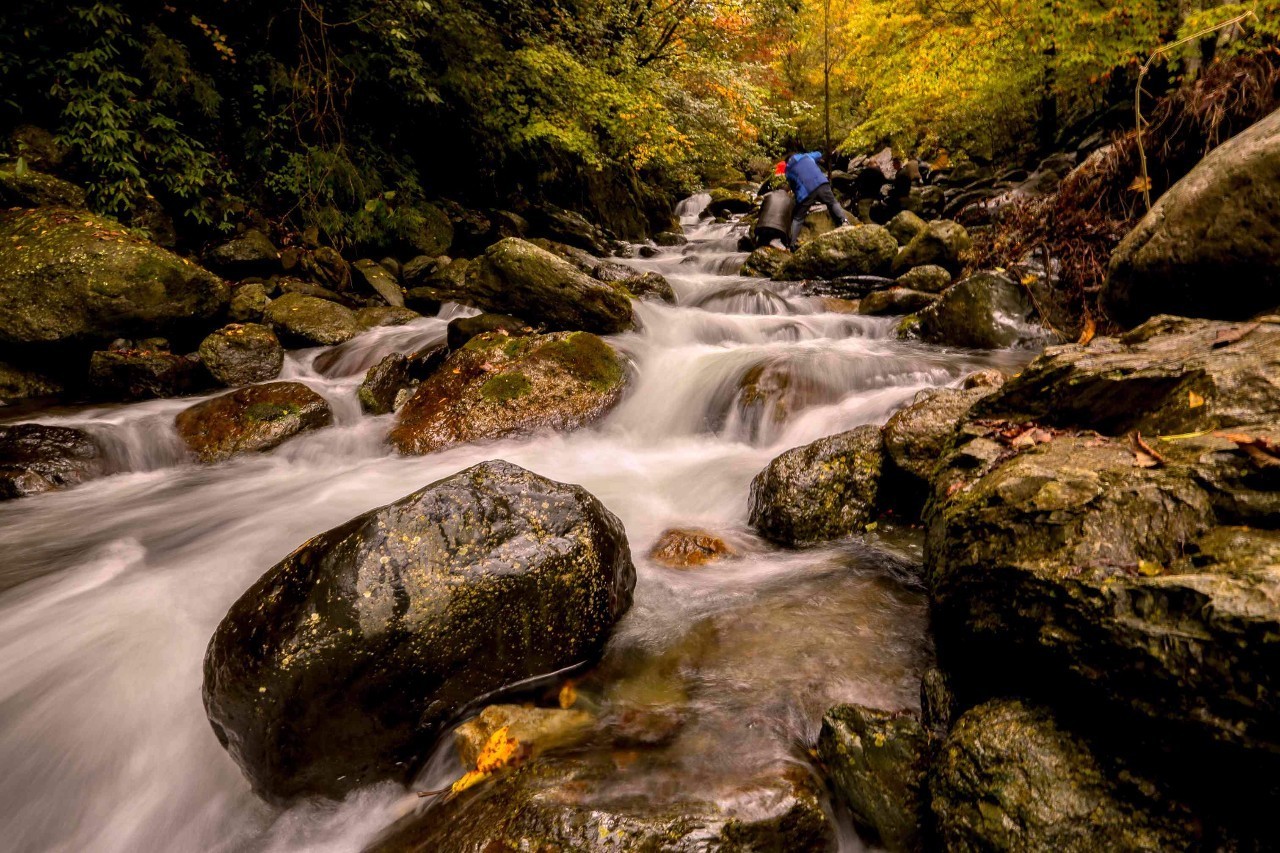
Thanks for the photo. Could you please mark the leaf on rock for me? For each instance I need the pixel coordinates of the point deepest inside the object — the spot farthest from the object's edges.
(1145, 456)
(568, 695)
(1087, 333)
(1150, 568)
(1194, 400)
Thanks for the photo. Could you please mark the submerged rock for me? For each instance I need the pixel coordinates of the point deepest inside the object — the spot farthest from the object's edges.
(309, 321)
(251, 420)
(1009, 778)
(987, 310)
(497, 385)
(679, 548)
(850, 251)
(344, 662)
(242, 353)
(876, 761)
(1210, 247)
(144, 374)
(536, 730)
(36, 458)
(71, 276)
(825, 490)
(942, 243)
(516, 277)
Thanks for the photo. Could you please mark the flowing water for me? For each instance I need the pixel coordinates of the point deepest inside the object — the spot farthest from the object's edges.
(109, 592)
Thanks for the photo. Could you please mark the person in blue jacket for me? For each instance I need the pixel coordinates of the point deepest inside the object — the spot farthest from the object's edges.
(810, 186)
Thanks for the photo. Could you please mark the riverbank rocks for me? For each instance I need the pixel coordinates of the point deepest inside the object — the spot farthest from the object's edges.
(251, 420)
(144, 374)
(516, 277)
(546, 806)
(242, 353)
(895, 301)
(916, 437)
(497, 385)
(987, 310)
(384, 315)
(679, 548)
(854, 250)
(248, 302)
(905, 226)
(36, 458)
(928, 279)
(765, 262)
(377, 279)
(1210, 247)
(250, 253)
(344, 662)
(310, 321)
(942, 243)
(1009, 778)
(68, 276)
(825, 490)
(876, 761)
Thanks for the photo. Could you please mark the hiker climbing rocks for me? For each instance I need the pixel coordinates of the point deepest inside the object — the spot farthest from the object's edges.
(810, 185)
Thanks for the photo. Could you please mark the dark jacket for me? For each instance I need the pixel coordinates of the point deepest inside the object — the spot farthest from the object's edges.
(804, 175)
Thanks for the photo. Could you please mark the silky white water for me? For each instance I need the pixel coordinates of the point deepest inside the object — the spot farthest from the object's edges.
(109, 592)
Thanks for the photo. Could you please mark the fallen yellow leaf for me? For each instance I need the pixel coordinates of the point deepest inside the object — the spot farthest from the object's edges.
(1149, 568)
(568, 695)
(1194, 400)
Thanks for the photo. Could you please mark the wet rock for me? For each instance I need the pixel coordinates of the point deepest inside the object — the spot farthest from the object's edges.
(463, 329)
(1010, 778)
(427, 301)
(242, 353)
(251, 420)
(374, 277)
(680, 548)
(669, 238)
(344, 662)
(725, 202)
(422, 268)
(497, 385)
(895, 301)
(983, 379)
(22, 383)
(649, 285)
(437, 232)
(536, 730)
(36, 458)
(1146, 379)
(765, 262)
(1217, 226)
(250, 253)
(850, 251)
(943, 243)
(30, 188)
(71, 276)
(772, 392)
(309, 321)
(565, 226)
(816, 224)
(928, 278)
(544, 806)
(611, 272)
(906, 226)
(516, 277)
(916, 437)
(825, 490)
(987, 310)
(936, 702)
(144, 374)
(380, 390)
(876, 761)
(384, 315)
(327, 266)
(248, 303)
(310, 288)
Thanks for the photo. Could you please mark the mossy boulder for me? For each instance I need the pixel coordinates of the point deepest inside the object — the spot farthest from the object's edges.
(1210, 247)
(649, 285)
(942, 243)
(542, 807)
(436, 234)
(18, 382)
(242, 353)
(251, 420)
(1010, 778)
(928, 278)
(344, 662)
(144, 374)
(310, 321)
(36, 458)
(876, 762)
(765, 262)
(29, 188)
(854, 250)
(384, 315)
(916, 437)
(905, 226)
(497, 385)
(516, 277)
(69, 276)
(377, 280)
(462, 329)
(250, 253)
(987, 310)
(725, 202)
(895, 301)
(383, 383)
(248, 303)
(825, 490)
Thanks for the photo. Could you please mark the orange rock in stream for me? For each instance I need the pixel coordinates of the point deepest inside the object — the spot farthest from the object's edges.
(682, 549)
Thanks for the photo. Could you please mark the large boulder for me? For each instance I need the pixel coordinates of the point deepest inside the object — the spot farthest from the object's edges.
(497, 385)
(1009, 778)
(436, 233)
(725, 202)
(68, 276)
(876, 761)
(343, 663)
(1210, 247)
(143, 374)
(36, 458)
(906, 226)
(825, 490)
(310, 321)
(29, 188)
(649, 285)
(19, 382)
(850, 251)
(251, 420)
(943, 243)
(916, 437)
(516, 277)
(987, 310)
(250, 253)
(384, 315)
(242, 353)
